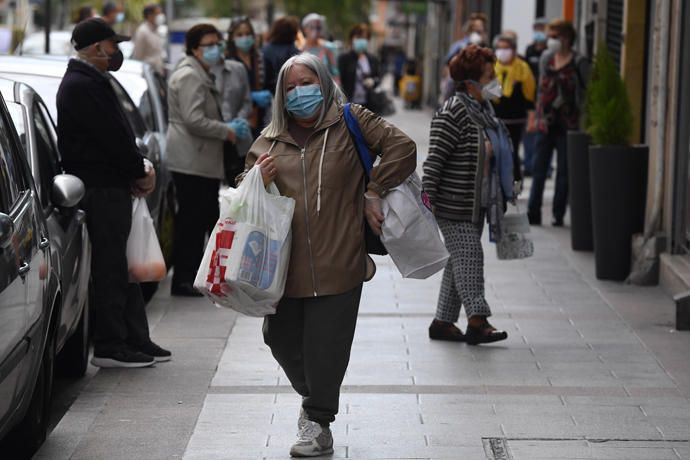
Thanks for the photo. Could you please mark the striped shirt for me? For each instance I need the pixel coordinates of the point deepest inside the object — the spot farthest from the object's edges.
(453, 169)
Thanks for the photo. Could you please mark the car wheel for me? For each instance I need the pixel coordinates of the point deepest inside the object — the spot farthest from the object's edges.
(28, 436)
(73, 359)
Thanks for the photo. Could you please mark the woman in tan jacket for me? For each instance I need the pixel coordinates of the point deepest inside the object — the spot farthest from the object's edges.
(309, 154)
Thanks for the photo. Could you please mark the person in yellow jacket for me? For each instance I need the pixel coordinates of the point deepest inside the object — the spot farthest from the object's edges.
(516, 104)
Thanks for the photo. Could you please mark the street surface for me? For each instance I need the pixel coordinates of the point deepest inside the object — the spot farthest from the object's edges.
(591, 370)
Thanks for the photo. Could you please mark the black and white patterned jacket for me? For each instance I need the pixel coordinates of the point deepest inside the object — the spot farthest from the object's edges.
(453, 170)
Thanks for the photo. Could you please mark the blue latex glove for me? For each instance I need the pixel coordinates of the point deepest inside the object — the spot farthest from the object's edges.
(240, 126)
(262, 98)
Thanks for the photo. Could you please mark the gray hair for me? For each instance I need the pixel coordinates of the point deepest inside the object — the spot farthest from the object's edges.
(329, 90)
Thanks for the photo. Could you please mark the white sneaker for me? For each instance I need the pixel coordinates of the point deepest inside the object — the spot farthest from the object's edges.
(313, 440)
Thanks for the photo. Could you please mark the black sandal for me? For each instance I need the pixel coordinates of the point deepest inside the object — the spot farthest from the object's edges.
(485, 333)
(443, 330)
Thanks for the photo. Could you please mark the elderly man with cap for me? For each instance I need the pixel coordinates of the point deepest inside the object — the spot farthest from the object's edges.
(98, 146)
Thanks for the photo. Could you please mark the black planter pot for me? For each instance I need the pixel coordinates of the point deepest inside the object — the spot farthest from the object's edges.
(579, 191)
(618, 177)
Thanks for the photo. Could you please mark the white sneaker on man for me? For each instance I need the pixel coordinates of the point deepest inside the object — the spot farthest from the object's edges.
(313, 440)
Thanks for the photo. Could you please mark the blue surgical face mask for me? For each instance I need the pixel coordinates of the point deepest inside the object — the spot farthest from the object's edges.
(120, 18)
(211, 54)
(244, 43)
(539, 36)
(303, 101)
(360, 45)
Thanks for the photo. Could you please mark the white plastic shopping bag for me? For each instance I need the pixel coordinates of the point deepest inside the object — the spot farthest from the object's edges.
(513, 243)
(410, 232)
(144, 256)
(246, 260)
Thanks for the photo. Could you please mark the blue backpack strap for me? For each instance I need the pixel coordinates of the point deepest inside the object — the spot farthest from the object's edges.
(358, 137)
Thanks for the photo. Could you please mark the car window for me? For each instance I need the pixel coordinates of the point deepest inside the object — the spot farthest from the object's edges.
(17, 115)
(131, 111)
(147, 112)
(14, 182)
(47, 157)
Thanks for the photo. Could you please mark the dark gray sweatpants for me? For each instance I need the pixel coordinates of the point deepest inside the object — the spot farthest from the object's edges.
(311, 339)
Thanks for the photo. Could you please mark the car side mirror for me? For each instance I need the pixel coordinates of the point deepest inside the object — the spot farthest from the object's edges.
(68, 190)
(6, 230)
(141, 145)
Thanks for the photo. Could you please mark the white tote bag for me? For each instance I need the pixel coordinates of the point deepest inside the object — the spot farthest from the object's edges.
(246, 260)
(144, 256)
(410, 232)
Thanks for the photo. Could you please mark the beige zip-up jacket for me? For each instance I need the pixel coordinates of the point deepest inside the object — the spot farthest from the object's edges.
(326, 179)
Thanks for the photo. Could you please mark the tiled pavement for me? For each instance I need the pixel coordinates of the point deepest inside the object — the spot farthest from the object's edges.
(591, 370)
(573, 380)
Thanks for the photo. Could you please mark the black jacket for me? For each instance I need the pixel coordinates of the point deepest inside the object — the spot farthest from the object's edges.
(96, 141)
(347, 65)
(275, 55)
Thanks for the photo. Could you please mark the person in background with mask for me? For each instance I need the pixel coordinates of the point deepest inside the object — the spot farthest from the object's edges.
(561, 95)
(113, 14)
(306, 146)
(98, 146)
(532, 56)
(148, 44)
(468, 175)
(196, 133)
(313, 27)
(236, 106)
(242, 47)
(280, 47)
(475, 34)
(359, 71)
(517, 99)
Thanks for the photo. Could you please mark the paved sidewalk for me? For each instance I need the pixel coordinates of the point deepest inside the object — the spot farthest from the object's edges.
(591, 370)
(574, 380)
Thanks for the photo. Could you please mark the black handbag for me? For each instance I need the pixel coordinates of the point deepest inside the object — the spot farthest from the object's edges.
(372, 241)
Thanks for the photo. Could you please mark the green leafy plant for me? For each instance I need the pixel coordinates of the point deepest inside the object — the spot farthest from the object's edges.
(609, 118)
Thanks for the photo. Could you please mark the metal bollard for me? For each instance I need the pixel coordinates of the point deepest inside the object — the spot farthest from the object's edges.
(682, 301)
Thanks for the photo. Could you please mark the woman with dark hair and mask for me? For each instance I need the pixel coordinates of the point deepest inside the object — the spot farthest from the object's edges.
(196, 133)
(307, 151)
(280, 48)
(561, 95)
(359, 70)
(242, 47)
(468, 176)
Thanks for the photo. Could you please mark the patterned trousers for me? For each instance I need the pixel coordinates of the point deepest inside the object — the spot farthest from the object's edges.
(463, 278)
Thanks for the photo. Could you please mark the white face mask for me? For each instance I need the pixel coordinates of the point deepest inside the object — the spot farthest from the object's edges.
(160, 19)
(504, 55)
(492, 90)
(475, 38)
(554, 44)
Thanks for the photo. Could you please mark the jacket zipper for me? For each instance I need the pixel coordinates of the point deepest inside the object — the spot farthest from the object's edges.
(306, 218)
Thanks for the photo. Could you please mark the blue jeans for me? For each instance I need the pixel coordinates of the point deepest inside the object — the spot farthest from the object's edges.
(529, 143)
(545, 144)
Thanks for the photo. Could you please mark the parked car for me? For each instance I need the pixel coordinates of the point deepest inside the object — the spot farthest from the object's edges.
(45, 74)
(60, 44)
(30, 296)
(67, 226)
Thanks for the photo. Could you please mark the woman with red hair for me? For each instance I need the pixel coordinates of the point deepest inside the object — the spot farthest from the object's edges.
(468, 176)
